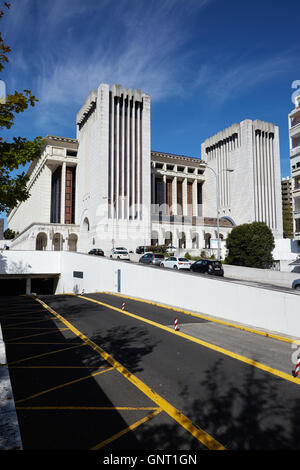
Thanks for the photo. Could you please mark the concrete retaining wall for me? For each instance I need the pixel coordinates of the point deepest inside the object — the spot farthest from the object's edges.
(278, 278)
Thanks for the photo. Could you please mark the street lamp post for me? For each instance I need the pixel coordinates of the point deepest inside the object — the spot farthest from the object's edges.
(217, 175)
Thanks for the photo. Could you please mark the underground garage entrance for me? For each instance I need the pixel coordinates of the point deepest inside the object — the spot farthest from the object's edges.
(21, 285)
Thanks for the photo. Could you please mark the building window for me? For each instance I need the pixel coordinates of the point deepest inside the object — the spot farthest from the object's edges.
(55, 196)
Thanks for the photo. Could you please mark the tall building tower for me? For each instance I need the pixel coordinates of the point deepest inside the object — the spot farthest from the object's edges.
(294, 135)
(113, 183)
(252, 191)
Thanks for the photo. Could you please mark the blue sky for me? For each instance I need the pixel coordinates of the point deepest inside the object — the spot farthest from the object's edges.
(206, 63)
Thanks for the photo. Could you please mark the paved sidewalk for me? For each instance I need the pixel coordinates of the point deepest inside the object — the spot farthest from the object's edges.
(10, 438)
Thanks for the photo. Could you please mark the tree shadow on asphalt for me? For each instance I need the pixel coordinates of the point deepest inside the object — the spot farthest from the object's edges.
(125, 344)
(250, 411)
(251, 416)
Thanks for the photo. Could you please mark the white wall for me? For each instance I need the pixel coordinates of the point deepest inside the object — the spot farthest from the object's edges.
(268, 309)
(278, 278)
(257, 307)
(37, 207)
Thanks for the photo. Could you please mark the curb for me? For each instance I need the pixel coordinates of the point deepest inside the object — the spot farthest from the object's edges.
(10, 438)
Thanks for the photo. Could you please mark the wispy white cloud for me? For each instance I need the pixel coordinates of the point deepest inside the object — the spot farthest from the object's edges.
(69, 47)
(231, 79)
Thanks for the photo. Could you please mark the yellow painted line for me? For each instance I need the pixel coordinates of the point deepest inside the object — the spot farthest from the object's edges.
(204, 317)
(57, 367)
(87, 408)
(28, 322)
(186, 423)
(219, 349)
(57, 387)
(126, 430)
(45, 354)
(40, 344)
(9, 315)
(36, 334)
(34, 328)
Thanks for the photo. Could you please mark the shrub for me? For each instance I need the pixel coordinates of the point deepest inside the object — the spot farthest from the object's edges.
(250, 245)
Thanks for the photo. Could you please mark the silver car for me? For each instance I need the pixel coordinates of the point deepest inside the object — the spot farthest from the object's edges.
(152, 258)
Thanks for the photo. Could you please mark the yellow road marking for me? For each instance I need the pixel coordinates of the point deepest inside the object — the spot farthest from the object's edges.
(34, 343)
(9, 315)
(126, 430)
(204, 317)
(226, 352)
(35, 328)
(44, 354)
(56, 367)
(57, 387)
(27, 322)
(36, 334)
(180, 418)
(87, 408)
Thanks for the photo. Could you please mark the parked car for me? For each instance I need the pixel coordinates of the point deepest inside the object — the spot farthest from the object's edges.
(296, 284)
(120, 254)
(120, 248)
(208, 266)
(176, 263)
(141, 249)
(171, 250)
(151, 258)
(96, 251)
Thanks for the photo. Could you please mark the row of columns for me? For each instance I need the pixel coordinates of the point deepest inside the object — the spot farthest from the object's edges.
(174, 209)
(264, 176)
(125, 153)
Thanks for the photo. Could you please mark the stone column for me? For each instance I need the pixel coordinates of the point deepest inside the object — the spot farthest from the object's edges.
(184, 196)
(123, 176)
(174, 196)
(195, 196)
(63, 193)
(138, 182)
(117, 157)
(133, 209)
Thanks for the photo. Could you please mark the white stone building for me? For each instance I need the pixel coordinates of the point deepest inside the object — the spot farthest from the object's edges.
(107, 188)
(45, 221)
(251, 191)
(294, 136)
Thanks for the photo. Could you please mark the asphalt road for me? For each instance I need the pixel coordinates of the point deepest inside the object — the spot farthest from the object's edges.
(89, 375)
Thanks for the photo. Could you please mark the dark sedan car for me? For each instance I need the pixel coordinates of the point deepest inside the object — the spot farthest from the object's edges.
(97, 252)
(152, 258)
(208, 266)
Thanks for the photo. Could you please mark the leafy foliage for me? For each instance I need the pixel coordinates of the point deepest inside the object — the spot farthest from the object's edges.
(9, 234)
(20, 151)
(287, 219)
(250, 245)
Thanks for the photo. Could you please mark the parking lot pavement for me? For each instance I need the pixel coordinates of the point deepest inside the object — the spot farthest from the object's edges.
(65, 395)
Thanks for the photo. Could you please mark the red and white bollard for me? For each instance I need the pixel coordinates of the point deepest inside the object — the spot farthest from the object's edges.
(297, 367)
(176, 324)
(123, 305)
(82, 292)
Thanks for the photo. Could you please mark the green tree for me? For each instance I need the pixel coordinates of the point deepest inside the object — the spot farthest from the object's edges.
(9, 234)
(19, 151)
(287, 220)
(250, 245)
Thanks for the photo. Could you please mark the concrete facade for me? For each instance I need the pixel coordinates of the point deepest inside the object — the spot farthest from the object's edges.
(106, 188)
(294, 137)
(113, 173)
(252, 191)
